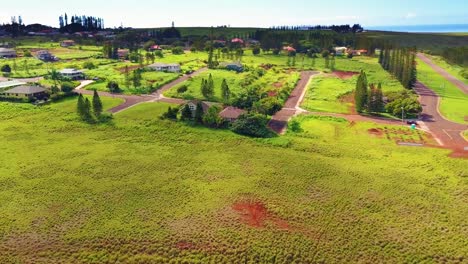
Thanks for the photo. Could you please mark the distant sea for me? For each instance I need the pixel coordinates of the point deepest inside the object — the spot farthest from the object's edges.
(423, 28)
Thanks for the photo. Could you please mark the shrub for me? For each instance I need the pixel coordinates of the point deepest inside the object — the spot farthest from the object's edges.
(295, 126)
(256, 51)
(6, 68)
(212, 118)
(67, 87)
(254, 125)
(405, 99)
(268, 105)
(177, 51)
(113, 87)
(182, 89)
(171, 113)
(89, 65)
(325, 53)
(27, 54)
(276, 52)
(159, 54)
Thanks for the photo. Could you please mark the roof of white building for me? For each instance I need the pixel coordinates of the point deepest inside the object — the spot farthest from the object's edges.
(70, 71)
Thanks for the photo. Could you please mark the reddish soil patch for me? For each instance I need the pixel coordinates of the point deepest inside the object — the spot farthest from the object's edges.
(278, 85)
(184, 245)
(131, 68)
(349, 99)
(344, 74)
(255, 214)
(376, 131)
(272, 93)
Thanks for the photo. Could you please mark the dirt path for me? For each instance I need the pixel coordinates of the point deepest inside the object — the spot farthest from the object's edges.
(280, 120)
(461, 85)
(132, 100)
(446, 132)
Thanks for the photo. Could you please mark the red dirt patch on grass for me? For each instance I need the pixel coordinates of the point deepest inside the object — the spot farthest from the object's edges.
(255, 214)
(130, 68)
(272, 93)
(344, 74)
(184, 245)
(376, 131)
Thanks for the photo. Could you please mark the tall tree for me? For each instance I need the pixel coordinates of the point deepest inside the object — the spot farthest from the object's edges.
(225, 91)
(360, 94)
(199, 113)
(97, 104)
(80, 107)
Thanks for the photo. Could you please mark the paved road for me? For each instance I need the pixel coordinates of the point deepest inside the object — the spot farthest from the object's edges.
(132, 100)
(461, 85)
(26, 80)
(279, 121)
(448, 133)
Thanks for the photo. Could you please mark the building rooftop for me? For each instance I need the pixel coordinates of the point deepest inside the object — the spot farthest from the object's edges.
(231, 112)
(70, 71)
(159, 64)
(26, 90)
(9, 84)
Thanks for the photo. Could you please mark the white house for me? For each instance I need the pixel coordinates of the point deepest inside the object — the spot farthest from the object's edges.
(73, 74)
(171, 67)
(340, 51)
(7, 53)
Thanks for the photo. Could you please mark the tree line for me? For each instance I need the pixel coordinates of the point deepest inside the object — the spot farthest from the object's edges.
(401, 63)
(368, 97)
(456, 55)
(80, 23)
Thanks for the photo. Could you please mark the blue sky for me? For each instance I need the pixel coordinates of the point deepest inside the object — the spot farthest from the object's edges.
(242, 13)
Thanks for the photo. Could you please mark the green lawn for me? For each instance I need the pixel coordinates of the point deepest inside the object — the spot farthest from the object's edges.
(324, 93)
(454, 70)
(454, 103)
(141, 189)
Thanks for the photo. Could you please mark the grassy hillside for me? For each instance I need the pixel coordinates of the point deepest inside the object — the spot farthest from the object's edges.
(146, 190)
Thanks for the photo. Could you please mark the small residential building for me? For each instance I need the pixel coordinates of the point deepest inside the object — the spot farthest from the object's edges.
(232, 66)
(238, 41)
(339, 51)
(165, 67)
(7, 53)
(9, 84)
(155, 48)
(359, 52)
(67, 43)
(289, 49)
(72, 74)
(231, 113)
(45, 55)
(194, 104)
(123, 53)
(29, 92)
(253, 42)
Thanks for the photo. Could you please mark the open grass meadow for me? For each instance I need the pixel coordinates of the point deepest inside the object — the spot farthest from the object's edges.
(454, 103)
(141, 189)
(328, 94)
(453, 69)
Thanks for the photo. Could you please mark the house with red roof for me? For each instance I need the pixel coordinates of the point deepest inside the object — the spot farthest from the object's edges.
(238, 41)
(231, 113)
(155, 47)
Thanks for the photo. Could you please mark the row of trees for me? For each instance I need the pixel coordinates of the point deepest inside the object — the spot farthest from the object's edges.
(89, 111)
(368, 97)
(456, 55)
(207, 89)
(86, 23)
(401, 63)
(337, 28)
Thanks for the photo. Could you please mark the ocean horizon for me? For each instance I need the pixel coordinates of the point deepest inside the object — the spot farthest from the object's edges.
(448, 28)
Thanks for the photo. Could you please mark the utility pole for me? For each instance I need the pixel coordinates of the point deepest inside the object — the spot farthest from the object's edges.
(402, 115)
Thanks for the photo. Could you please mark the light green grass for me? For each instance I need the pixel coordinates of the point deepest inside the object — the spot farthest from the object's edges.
(140, 188)
(454, 103)
(324, 93)
(454, 70)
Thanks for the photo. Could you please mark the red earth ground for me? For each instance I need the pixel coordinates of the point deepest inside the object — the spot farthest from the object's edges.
(255, 214)
(345, 74)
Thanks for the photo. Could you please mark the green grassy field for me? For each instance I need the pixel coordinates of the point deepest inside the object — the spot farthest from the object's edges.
(454, 103)
(141, 189)
(454, 70)
(324, 93)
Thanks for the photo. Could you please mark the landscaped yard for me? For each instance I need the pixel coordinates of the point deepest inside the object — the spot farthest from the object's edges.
(454, 103)
(141, 189)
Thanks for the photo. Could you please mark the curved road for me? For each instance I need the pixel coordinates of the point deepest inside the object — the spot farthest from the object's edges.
(132, 100)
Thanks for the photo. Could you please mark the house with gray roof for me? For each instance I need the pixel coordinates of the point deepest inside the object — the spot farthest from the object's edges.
(7, 53)
(165, 67)
(72, 74)
(25, 91)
